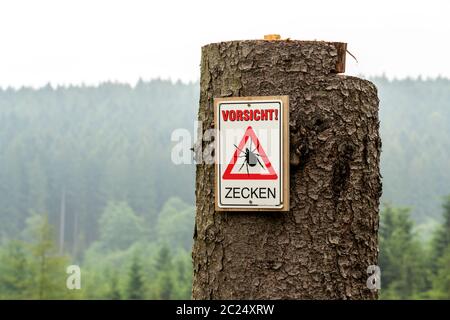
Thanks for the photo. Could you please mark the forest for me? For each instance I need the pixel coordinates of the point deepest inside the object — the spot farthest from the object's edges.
(86, 178)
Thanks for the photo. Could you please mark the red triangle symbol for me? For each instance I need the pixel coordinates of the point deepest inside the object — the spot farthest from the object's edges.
(249, 133)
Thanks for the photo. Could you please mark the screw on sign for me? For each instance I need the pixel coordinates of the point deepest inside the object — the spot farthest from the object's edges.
(252, 153)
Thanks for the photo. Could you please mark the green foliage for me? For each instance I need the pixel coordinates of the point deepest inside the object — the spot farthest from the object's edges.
(154, 273)
(165, 286)
(410, 269)
(163, 259)
(441, 279)
(401, 259)
(114, 293)
(176, 223)
(182, 275)
(47, 266)
(157, 270)
(163, 263)
(440, 256)
(32, 269)
(120, 227)
(441, 238)
(173, 276)
(135, 288)
(15, 280)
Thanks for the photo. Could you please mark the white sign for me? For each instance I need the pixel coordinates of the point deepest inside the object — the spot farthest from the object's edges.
(252, 153)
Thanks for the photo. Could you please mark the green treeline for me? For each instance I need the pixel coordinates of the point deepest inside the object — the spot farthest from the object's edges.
(86, 178)
(122, 264)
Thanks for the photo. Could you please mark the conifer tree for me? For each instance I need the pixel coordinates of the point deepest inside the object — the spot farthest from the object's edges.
(15, 271)
(135, 289)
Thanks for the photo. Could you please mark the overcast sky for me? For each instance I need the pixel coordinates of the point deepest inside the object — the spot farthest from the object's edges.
(91, 41)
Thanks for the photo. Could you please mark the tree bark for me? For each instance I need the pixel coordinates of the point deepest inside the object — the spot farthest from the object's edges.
(322, 247)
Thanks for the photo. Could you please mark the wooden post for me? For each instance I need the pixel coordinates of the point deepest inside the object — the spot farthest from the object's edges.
(322, 247)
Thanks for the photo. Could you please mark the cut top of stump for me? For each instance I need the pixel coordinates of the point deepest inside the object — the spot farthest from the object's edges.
(328, 57)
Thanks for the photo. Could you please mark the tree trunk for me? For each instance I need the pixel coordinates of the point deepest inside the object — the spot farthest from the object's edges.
(322, 247)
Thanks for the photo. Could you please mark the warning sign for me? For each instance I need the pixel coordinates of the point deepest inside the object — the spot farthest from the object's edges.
(252, 157)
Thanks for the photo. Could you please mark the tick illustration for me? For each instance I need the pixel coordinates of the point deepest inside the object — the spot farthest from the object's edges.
(251, 157)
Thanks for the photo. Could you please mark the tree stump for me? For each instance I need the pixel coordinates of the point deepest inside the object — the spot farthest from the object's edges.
(322, 247)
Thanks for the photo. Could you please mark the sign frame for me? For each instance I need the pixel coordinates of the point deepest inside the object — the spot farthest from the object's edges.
(284, 150)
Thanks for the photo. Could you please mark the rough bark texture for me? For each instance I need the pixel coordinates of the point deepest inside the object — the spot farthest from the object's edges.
(322, 247)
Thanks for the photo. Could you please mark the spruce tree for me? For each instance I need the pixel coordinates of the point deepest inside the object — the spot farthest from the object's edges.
(441, 281)
(166, 285)
(440, 261)
(441, 239)
(402, 263)
(15, 272)
(135, 289)
(114, 293)
(164, 259)
(49, 267)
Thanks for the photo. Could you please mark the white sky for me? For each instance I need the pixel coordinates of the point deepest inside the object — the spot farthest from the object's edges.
(79, 41)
